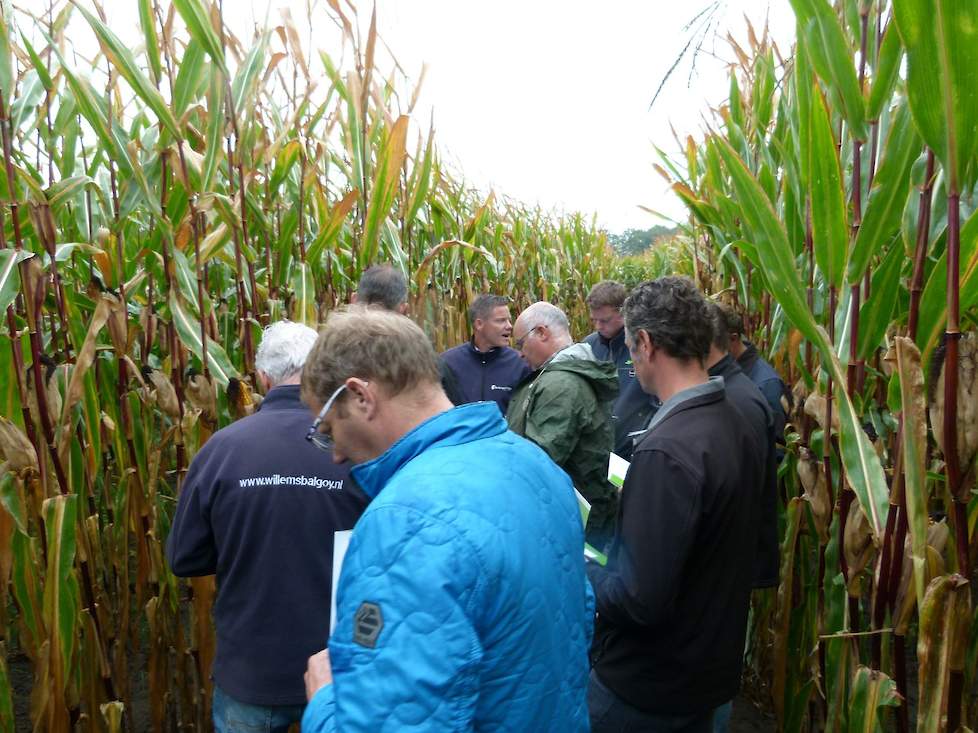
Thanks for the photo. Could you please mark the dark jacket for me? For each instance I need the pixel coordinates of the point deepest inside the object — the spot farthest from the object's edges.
(633, 408)
(768, 381)
(486, 376)
(747, 398)
(565, 408)
(672, 601)
(259, 507)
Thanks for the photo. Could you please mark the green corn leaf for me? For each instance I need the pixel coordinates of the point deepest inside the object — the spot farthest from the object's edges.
(384, 187)
(195, 15)
(214, 152)
(913, 401)
(829, 227)
(6, 59)
(247, 77)
(876, 313)
(941, 38)
(421, 182)
(9, 275)
(887, 200)
(188, 329)
(329, 228)
(25, 578)
(933, 301)
(821, 33)
(190, 77)
(60, 598)
(39, 66)
(774, 257)
(304, 290)
(125, 63)
(871, 691)
(148, 25)
(887, 72)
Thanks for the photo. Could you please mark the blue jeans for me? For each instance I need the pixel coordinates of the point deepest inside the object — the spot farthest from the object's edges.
(610, 714)
(232, 716)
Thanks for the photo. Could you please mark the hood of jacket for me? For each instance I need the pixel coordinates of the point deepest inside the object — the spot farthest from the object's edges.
(579, 359)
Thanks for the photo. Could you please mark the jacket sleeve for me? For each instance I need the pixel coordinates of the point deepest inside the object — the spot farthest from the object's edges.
(772, 389)
(190, 548)
(405, 651)
(658, 522)
(554, 419)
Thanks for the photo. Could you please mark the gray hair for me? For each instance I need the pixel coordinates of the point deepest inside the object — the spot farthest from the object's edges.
(546, 314)
(283, 349)
(382, 285)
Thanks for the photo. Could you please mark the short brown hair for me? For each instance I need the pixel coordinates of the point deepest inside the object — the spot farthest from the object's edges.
(733, 322)
(607, 292)
(372, 344)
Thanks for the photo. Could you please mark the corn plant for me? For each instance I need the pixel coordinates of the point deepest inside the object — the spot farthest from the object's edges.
(162, 201)
(835, 191)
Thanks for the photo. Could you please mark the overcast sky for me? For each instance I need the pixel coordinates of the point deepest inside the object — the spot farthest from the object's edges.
(547, 101)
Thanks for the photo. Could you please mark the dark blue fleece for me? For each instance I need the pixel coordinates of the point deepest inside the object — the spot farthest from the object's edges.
(259, 507)
(486, 376)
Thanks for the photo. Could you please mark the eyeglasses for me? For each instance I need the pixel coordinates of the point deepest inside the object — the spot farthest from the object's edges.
(323, 441)
(522, 340)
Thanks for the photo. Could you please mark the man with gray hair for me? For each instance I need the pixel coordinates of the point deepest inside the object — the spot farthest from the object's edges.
(259, 507)
(384, 286)
(565, 408)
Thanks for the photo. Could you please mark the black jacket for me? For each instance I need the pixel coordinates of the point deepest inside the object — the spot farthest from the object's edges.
(672, 602)
(485, 376)
(633, 408)
(747, 398)
(259, 507)
(769, 382)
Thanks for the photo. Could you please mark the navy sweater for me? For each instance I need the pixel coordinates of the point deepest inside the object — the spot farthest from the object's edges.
(486, 376)
(259, 507)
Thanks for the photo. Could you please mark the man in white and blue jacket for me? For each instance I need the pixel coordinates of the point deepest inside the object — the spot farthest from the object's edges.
(462, 602)
(259, 507)
(486, 369)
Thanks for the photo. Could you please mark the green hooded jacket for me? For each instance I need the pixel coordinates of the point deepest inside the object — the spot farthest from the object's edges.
(565, 408)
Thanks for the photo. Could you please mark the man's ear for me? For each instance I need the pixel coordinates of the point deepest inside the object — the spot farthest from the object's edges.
(264, 381)
(353, 298)
(403, 308)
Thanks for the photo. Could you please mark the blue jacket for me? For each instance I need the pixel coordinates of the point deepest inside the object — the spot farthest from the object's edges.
(769, 382)
(633, 409)
(486, 375)
(463, 603)
(258, 508)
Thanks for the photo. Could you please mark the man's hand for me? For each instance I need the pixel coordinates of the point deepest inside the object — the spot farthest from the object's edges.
(318, 673)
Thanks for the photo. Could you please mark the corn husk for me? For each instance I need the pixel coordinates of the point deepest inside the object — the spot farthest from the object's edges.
(240, 398)
(967, 411)
(16, 448)
(202, 394)
(816, 491)
(162, 393)
(857, 546)
(815, 409)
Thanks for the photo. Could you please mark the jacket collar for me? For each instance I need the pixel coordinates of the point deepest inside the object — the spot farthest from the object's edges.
(701, 394)
(726, 367)
(615, 342)
(486, 355)
(749, 357)
(461, 425)
(283, 397)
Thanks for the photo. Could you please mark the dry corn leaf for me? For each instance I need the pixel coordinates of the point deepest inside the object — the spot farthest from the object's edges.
(16, 448)
(857, 546)
(967, 411)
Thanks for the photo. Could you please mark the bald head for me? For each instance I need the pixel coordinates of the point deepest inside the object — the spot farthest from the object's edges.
(540, 332)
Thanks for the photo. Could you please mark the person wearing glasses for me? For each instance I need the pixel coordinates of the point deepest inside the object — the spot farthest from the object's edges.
(633, 409)
(462, 603)
(258, 507)
(564, 406)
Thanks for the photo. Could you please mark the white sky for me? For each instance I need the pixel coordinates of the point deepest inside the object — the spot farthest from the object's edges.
(547, 101)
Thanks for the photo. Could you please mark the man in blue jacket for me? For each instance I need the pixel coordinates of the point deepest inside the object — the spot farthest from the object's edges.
(633, 408)
(259, 507)
(486, 368)
(462, 603)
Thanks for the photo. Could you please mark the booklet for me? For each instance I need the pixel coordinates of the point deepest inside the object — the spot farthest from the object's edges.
(589, 552)
(341, 542)
(617, 468)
